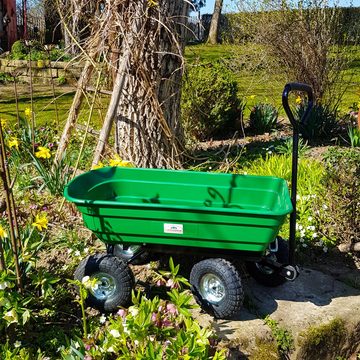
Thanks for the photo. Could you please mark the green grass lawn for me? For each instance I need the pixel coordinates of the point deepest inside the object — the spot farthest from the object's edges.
(265, 87)
(44, 105)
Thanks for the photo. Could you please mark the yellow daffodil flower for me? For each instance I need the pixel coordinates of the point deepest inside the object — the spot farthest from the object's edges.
(43, 152)
(298, 100)
(13, 142)
(252, 97)
(40, 222)
(3, 232)
(28, 112)
(3, 122)
(152, 3)
(125, 163)
(116, 161)
(99, 165)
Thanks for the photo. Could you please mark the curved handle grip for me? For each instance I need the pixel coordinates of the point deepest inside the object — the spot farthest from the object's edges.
(285, 100)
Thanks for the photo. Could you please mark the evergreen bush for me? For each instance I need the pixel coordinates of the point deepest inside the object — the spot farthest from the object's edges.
(210, 103)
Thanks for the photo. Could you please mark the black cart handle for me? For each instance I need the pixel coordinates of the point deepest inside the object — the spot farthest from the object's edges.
(285, 100)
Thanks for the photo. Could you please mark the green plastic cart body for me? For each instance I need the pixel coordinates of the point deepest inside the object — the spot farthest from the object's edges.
(181, 208)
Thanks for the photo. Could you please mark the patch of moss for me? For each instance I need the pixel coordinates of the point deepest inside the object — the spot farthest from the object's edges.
(265, 350)
(324, 338)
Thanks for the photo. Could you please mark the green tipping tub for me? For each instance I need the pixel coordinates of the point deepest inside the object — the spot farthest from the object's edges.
(181, 208)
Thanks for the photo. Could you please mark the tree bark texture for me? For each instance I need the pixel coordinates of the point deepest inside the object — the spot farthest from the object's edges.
(148, 115)
(214, 25)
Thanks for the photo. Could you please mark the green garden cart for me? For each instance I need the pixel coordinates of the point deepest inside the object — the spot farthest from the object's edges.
(215, 219)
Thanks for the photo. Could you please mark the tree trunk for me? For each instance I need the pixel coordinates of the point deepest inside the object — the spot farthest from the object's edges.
(214, 25)
(148, 115)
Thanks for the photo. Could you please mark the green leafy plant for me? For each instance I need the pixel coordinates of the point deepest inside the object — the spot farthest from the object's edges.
(210, 105)
(19, 50)
(309, 174)
(13, 305)
(5, 78)
(150, 328)
(283, 337)
(82, 287)
(61, 80)
(354, 136)
(263, 118)
(321, 124)
(153, 329)
(286, 147)
(55, 177)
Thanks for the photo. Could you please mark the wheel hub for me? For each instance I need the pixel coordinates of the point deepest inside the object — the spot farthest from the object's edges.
(103, 286)
(212, 288)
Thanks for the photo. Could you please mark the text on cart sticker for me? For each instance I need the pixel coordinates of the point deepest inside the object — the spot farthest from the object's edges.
(173, 228)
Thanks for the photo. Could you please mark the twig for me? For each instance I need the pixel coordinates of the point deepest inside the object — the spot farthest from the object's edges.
(86, 132)
(11, 211)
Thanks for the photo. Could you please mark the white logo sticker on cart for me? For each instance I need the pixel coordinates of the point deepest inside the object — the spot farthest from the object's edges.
(173, 228)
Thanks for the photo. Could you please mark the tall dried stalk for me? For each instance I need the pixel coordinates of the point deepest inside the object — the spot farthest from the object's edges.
(16, 99)
(48, 49)
(31, 91)
(10, 209)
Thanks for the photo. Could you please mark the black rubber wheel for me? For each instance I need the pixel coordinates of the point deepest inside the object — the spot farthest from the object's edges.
(266, 276)
(127, 252)
(216, 285)
(114, 284)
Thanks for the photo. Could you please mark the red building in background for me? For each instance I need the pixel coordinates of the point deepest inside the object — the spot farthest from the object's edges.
(8, 26)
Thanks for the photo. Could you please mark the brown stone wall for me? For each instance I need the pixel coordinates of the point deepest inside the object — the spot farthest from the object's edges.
(42, 70)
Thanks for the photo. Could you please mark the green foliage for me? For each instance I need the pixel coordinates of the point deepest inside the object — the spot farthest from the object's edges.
(13, 305)
(310, 188)
(263, 118)
(16, 352)
(54, 176)
(19, 50)
(283, 337)
(210, 105)
(309, 174)
(354, 136)
(321, 124)
(35, 51)
(61, 80)
(317, 339)
(150, 328)
(285, 147)
(338, 209)
(5, 78)
(83, 287)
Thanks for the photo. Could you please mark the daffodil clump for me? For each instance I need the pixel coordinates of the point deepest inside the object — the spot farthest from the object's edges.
(43, 153)
(13, 142)
(40, 222)
(28, 112)
(3, 232)
(115, 161)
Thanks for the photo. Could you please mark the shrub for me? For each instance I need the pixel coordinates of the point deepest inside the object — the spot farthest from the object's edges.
(321, 124)
(354, 136)
(340, 216)
(287, 144)
(210, 104)
(5, 78)
(310, 173)
(19, 50)
(263, 118)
